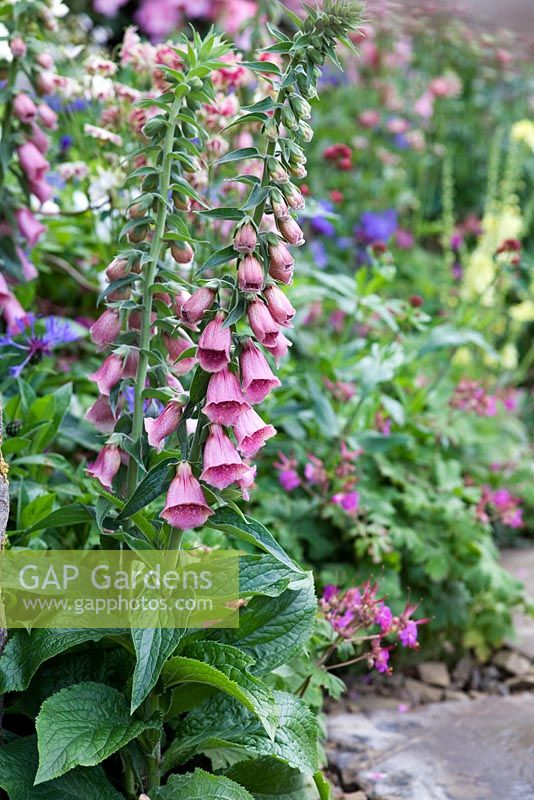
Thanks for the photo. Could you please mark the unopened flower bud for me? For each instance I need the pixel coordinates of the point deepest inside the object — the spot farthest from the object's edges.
(270, 129)
(300, 106)
(18, 47)
(280, 262)
(181, 202)
(246, 239)
(182, 252)
(120, 294)
(250, 275)
(260, 320)
(279, 206)
(289, 119)
(298, 170)
(137, 234)
(291, 231)
(293, 197)
(276, 171)
(281, 309)
(306, 131)
(106, 328)
(199, 302)
(117, 269)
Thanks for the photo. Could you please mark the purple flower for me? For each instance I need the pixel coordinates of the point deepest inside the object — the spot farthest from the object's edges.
(381, 660)
(384, 617)
(289, 479)
(377, 225)
(329, 592)
(343, 621)
(408, 635)
(319, 254)
(37, 338)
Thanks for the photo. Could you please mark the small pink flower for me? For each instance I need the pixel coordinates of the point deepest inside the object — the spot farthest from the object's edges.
(279, 348)
(246, 482)
(224, 399)
(108, 374)
(106, 328)
(42, 190)
(186, 505)
(101, 415)
(39, 138)
(222, 462)
(175, 347)
(257, 377)
(214, 345)
(106, 466)
(251, 433)
(281, 309)
(291, 231)
(246, 239)
(29, 226)
(24, 108)
(349, 501)
(28, 268)
(250, 275)
(32, 162)
(47, 116)
(262, 323)
(18, 47)
(280, 261)
(159, 428)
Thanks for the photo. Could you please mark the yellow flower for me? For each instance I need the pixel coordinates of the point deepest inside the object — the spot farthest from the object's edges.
(509, 356)
(523, 312)
(523, 131)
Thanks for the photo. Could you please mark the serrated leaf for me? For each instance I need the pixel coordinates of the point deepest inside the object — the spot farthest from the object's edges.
(153, 646)
(227, 669)
(269, 779)
(226, 731)
(274, 629)
(18, 765)
(82, 725)
(251, 531)
(200, 785)
(263, 575)
(25, 652)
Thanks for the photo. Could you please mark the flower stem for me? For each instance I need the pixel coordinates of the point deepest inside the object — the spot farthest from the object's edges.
(150, 274)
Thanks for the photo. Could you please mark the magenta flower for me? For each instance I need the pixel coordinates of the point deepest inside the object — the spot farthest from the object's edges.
(106, 466)
(214, 345)
(186, 505)
(251, 433)
(195, 306)
(279, 306)
(329, 593)
(106, 328)
(408, 634)
(222, 462)
(47, 116)
(175, 347)
(381, 659)
(159, 428)
(24, 108)
(263, 325)
(349, 501)
(384, 617)
(289, 479)
(250, 275)
(246, 482)
(29, 226)
(224, 399)
(101, 415)
(280, 348)
(33, 164)
(108, 374)
(257, 377)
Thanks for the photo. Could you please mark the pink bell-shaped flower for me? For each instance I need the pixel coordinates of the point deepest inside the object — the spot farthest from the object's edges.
(222, 462)
(186, 505)
(224, 398)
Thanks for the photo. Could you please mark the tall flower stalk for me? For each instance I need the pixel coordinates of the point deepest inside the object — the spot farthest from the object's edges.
(198, 362)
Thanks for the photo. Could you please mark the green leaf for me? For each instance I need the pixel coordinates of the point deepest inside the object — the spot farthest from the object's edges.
(226, 732)
(274, 629)
(223, 213)
(37, 509)
(82, 725)
(199, 385)
(263, 66)
(73, 514)
(251, 531)
(200, 785)
(25, 652)
(221, 256)
(447, 336)
(239, 155)
(151, 487)
(263, 575)
(18, 765)
(153, 646)
(227, 669)
(269, 779)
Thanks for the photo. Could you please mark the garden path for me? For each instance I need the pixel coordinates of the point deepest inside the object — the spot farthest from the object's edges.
(478, 749)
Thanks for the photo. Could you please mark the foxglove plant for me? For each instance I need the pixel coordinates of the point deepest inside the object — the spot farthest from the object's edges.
(186, 362)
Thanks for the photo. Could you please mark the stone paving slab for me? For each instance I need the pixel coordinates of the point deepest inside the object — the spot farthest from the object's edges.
(481, 750)
(521, 564)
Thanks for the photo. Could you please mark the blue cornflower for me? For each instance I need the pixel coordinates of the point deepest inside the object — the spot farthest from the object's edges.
(37, 338)
(377, 226)
(319, 222)
(65, 143)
